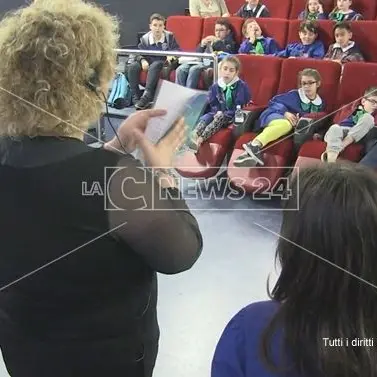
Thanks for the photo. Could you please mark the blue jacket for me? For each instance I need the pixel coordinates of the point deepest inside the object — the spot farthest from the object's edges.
(228, 45)
(316, 50)
(305, 16)
(216, 99)
(269, 45)
(238, 351)
(169, 44)
(280, 104)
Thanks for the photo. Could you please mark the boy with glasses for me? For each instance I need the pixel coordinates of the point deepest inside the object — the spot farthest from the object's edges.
(188, 74)
(359, 126)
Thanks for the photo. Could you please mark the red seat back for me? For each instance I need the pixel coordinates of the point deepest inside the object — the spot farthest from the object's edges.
(262, 75)
(368, 8)
(274, 28)
(210, 22)
(180, 25)
(357, 77)
(299, 5)
(365, 35)
(234, 5)
(278, 9)
(329, 71)
(325, 32)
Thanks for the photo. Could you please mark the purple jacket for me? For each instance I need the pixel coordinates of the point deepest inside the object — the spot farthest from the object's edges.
(216, 99)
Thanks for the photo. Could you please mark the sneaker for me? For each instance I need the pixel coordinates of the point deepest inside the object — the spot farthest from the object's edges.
(250, 158)
(303, 131)
(144, 103)
(329, 156)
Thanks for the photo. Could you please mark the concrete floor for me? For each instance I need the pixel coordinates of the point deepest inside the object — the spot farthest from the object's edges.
(195, 306)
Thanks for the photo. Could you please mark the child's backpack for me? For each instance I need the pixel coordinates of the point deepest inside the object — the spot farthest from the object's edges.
(120, 95)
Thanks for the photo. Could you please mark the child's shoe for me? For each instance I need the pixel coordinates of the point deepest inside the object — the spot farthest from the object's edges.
(250, 158)
(329, 156)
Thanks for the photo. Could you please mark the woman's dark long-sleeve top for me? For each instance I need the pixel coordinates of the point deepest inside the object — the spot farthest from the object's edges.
(93, 312)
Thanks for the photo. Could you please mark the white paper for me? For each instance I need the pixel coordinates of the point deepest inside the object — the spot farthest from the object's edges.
(173, 98)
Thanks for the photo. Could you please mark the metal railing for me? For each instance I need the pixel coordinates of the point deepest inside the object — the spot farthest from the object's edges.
(214, 57)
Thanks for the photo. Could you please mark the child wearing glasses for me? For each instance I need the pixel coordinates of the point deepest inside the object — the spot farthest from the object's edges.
(282, 116)
(352, 129)
(309, 47)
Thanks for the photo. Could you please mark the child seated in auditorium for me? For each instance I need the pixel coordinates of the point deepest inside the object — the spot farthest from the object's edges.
(255, 43)
(344, 50)
(352, 129)
(188, 74)
(282, 116)
(343, 12)
(313, 11)
(253, 9)
(310, 46)
(157, 39)
(223, 97)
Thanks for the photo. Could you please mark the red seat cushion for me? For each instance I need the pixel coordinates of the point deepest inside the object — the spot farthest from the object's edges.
(207, 162)
(315, 148)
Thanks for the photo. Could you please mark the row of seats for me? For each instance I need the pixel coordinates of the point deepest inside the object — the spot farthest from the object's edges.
(290, 9)
(283, 31)
(268, 76)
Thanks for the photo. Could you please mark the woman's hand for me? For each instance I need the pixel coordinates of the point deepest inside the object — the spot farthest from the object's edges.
(126, 131)
(161, 155)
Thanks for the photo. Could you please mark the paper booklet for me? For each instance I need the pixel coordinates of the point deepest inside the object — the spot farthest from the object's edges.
(178, 101)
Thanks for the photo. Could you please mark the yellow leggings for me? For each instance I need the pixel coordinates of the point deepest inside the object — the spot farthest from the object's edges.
(275, 129)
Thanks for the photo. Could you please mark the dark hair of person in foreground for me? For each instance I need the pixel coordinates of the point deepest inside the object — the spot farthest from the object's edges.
(335, 228)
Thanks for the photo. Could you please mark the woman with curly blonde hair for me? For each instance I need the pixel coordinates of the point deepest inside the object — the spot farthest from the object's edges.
(78, 286)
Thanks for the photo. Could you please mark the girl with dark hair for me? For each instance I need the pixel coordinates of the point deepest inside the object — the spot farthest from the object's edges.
(320, 320)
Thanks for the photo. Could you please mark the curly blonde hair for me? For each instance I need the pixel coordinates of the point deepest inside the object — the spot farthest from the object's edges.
(49, 50)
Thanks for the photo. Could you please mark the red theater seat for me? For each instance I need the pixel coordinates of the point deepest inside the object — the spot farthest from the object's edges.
(368, 8)
(234, 5)
(278, 9)
(260, 179)
(275, 28)
(207, 162)
(188, 31)
(262, 74)
(209, 26)
(329, 71)
(356, 78)
(315, 148)
(326, 34)
(364, 34)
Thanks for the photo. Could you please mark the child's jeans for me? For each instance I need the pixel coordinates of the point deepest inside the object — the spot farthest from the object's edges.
(336, 134)
(206, 131)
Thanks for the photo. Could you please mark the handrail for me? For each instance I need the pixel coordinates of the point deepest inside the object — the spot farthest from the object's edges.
(214, 57)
